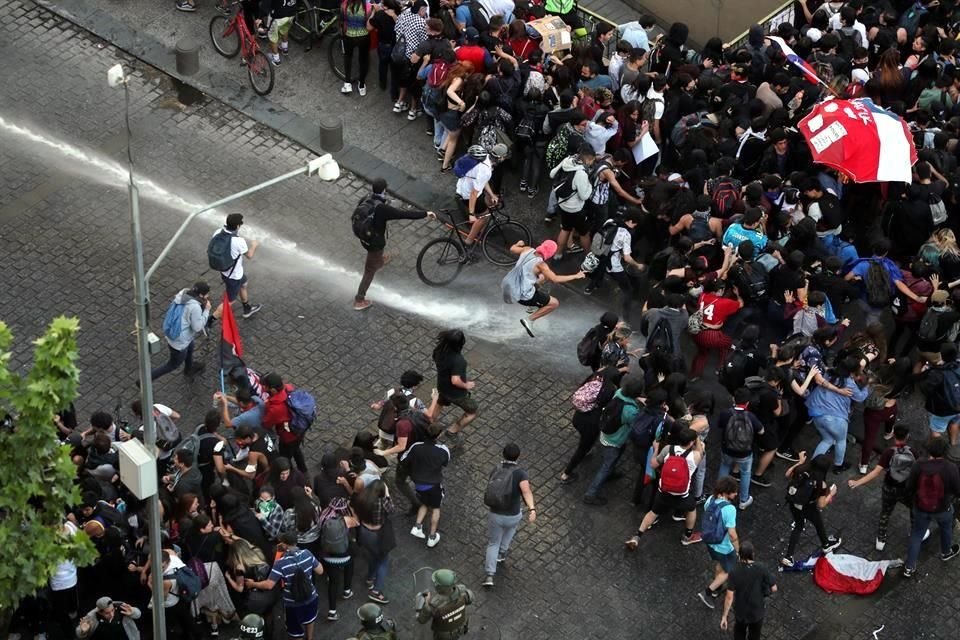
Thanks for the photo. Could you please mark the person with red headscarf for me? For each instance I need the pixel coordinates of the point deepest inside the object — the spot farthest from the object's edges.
(521, 284)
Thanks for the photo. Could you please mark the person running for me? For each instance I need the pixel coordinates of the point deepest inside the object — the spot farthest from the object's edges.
(588, 401)
(748, 587)
(370, 226)
(180, 335)
(807, 496)
(507, 492)
(425, 461)
(934, 484)
(531, 269)
(452, 380)
(234, 278)
(719, 531)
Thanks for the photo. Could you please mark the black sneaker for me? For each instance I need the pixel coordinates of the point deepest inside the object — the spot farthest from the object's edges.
(194, 370)
(832, 543)
(707, 597)
(761, 481)
(788, 454)
(735, 473)
(596, 501)
(547, 218)
(908, 573)
(589, 289)
(954, 551)
(527, 327)
(252, 309)
(532, 193)
(840, 468)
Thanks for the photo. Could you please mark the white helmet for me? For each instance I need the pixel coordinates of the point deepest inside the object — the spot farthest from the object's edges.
(477, 151)
(590, 263)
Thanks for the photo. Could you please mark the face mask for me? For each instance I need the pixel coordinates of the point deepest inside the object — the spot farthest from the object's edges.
(585, 78)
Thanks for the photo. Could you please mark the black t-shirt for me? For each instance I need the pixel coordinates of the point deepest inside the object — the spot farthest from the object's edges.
(782, 279)
(449, 365)
(765, 404)
(519, 475)
(384, 24)
(750, 584)
(326, 488)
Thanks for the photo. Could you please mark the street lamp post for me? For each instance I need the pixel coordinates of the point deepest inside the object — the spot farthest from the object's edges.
(326, 168)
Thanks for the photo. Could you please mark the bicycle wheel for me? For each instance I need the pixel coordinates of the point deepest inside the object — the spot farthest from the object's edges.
(304, 22)
(440, 262)
(336, 56)
(225, 38)
(500, 237)
(260, 71)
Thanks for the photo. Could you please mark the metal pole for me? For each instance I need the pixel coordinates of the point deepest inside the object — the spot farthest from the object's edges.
(149, 428)
(220, 203)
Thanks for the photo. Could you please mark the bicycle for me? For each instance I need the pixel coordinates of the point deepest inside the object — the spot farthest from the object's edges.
(441, 259)
(312, 22)
(230, 36)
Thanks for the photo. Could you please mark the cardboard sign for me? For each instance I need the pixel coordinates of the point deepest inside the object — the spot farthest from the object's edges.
(555, 34)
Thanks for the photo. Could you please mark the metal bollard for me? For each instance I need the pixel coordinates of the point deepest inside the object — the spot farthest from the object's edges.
(331, 134)
(188, 56)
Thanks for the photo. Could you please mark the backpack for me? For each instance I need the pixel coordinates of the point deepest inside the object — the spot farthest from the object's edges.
(738, 434)
(731, 374)
(192, 444)
(752, 281)
(929, 326)
(910, 19)
(219, 252)
(725, 196)
(399, 54)
(689, 122)
(478, 17)
(387, 422)
(850, 39)
(951, 388)
(303, 411)
(660, 339)
(420, 422)
(334, 537)
(822, 68)
(492, 135)
(938, 210)
(877, 283)
(611, 418)
(901, 464)
(930, 492)
(589, 347)
(363, 217)
(801, 490)
(526, 130)
(558, 147)
(464, 165)
(301, 586)
(499, 493)
(603, 241)
(648, 111)
(645, 426)
(711, 528)
(585, 397)
(563, 188)
(168, 436)
(675, 473)
(188, 584)
(173, 320)
(196, 565)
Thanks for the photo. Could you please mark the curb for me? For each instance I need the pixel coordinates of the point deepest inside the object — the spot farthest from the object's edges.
(241, 97)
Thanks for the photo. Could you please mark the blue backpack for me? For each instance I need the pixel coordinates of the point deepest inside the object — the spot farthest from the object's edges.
(712, 529)
(189, 584)
(464, 165)
(173, 320)
(303, 411)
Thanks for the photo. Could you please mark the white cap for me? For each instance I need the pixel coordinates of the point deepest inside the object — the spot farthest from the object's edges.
(814, 34)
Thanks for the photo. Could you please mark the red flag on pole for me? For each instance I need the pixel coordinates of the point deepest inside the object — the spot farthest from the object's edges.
(231, 347)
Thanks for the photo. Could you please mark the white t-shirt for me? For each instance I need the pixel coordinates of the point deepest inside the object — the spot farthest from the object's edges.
(619, 248)
(172, 598)
(65, 575)
(238, 248)
(503, 8)
(475, 180)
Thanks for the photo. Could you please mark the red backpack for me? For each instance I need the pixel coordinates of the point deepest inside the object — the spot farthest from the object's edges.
(675, 474)
(725, 196)
(438, 73)
(930, 492)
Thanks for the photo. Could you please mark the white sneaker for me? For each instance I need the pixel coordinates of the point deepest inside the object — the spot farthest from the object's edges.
(926, 535)
(417, 532)
(744, 505)
(347, 88)
(862, 469)
(433, 540)
(879, 545)
(362, 89)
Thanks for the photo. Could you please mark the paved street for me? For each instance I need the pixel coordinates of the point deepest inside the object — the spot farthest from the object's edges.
(66, 249)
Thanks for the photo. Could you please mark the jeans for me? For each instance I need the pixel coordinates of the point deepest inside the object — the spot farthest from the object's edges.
(363, 45)
(177, 358)
(373, 264)
(833, 433)
(921, 522)
(696, 487)
(746, 466)
(609, 456)
(377, 563)
(500, 532)
(800, 516)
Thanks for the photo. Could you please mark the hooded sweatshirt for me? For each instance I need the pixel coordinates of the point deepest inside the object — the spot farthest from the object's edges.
(582, 187)
(192, 322)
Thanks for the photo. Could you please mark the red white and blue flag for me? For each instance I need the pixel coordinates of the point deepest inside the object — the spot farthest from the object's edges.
(797, 61)
(842, 573)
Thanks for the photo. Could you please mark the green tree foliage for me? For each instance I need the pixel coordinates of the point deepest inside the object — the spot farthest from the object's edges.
(36, 474)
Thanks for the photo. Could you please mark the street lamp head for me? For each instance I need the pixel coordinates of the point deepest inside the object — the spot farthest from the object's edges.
(116, 76)
(325, 167)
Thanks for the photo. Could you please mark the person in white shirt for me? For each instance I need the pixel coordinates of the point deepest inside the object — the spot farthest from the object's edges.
(234, 279)
(617, 61)
(178, 610)
(503, 8)
(637, 32)
(64, 605)
(472, 187)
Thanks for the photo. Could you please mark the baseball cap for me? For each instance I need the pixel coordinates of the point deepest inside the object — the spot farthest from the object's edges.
(104, 603)
(939, 296)
(419, 4)
(499, 150)
(547, 249)
(471, 34)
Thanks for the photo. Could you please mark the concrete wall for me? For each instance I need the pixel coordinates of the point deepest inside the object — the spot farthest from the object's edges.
(709, 18)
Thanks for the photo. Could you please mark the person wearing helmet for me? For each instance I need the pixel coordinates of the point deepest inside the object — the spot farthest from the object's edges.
(520, 285)
(474, 192)
(446, 606)
(375, 626)
(251, 627)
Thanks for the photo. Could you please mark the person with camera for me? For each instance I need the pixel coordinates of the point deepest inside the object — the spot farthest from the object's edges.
(110, 620)
(180, 335)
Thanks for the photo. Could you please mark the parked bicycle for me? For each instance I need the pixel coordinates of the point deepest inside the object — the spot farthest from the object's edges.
(311, 23)
(441, 259)
(231, 36)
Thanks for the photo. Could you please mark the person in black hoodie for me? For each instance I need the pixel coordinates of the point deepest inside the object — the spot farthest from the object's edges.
(531, 141)
(671, 53)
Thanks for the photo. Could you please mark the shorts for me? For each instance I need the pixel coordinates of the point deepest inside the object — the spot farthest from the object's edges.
(479, 210)
(540, 299)
(667, 504)
(432, 497)
(299, 615)
(233, 286)
(279, 28)
(770, 439)
(727, 561)
(939, 424)
(574, 222)
(465, 402)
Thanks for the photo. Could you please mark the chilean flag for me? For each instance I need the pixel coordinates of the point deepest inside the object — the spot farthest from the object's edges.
(843, 573)
(797, 61)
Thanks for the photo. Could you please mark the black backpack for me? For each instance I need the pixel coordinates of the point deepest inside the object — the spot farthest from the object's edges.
(752, 281)
(301, 587)
(738, 434)
(563, 188)
(588, 349)
(218, 252)
(661, 338)
(645, 426)
(611, 418)
(363, 217)
(478, 17)
(877, 284)
(499, 494)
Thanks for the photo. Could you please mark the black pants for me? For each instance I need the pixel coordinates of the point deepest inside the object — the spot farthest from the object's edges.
(800, 517)
(177, 358)
(403, 485)
(747, 630)
(533, 163)
(362, 44)
(622, 278)
(371, 265)
(792, 425)
(294, 451)
(385, 74)
(63, 615)
(339, 578)
(640, 455)
(180, 615)
(588, 426)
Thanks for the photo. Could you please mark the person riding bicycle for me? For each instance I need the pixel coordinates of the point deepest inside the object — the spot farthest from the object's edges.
(474, 193)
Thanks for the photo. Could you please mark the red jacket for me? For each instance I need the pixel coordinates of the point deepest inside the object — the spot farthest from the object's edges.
(276, 415)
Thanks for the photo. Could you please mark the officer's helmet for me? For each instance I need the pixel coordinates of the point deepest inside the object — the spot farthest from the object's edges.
(370, 614)
(251, 627)
(444, 579)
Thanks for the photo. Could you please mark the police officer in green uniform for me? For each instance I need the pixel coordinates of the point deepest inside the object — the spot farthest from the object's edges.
(447, 608)
(375, 626)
